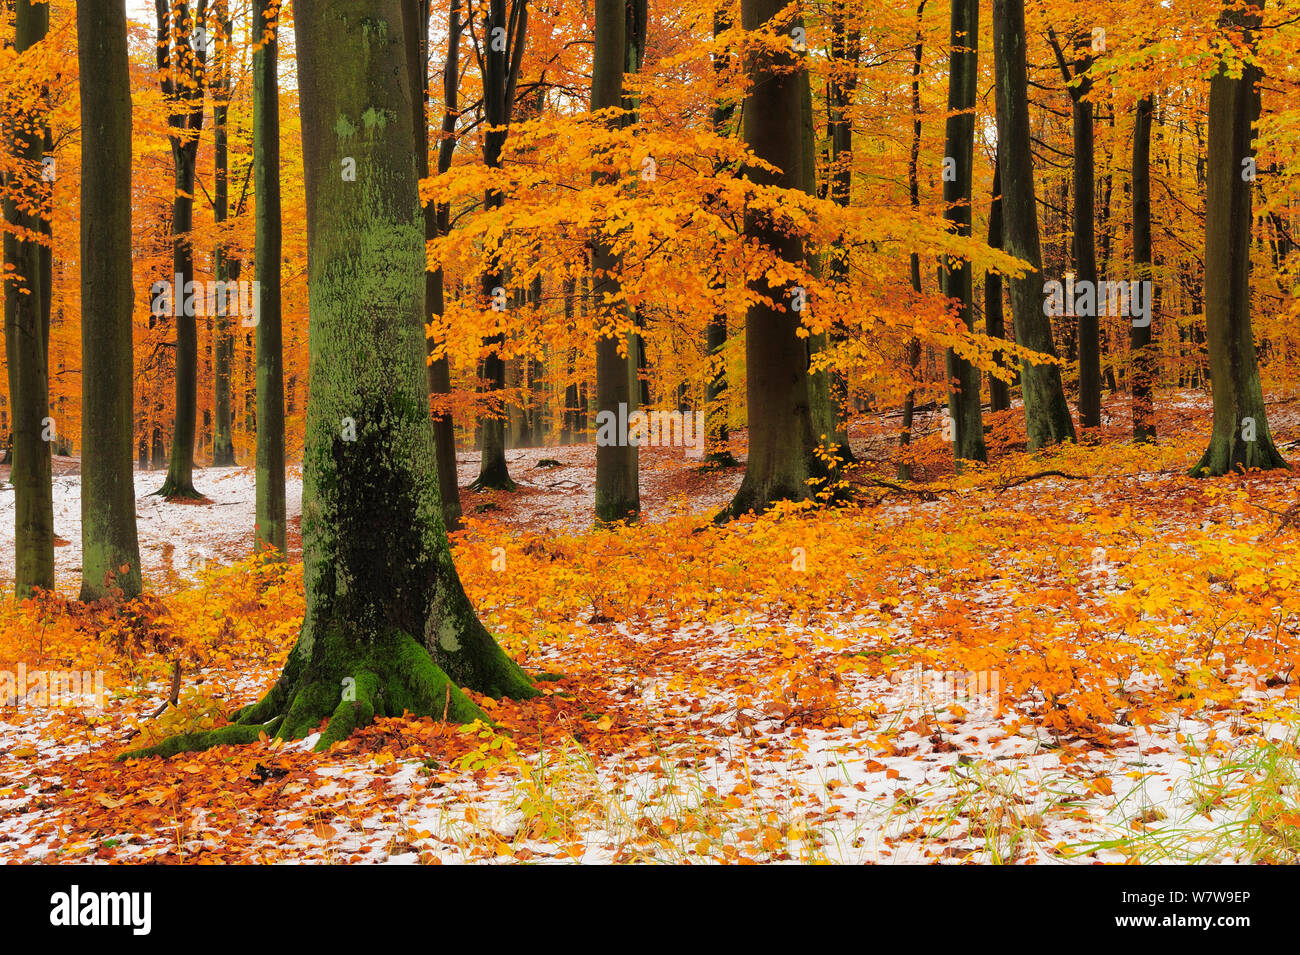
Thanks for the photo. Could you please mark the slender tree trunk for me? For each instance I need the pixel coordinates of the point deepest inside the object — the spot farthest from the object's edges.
(715, 343)
(1240, 438)
(994, 322)
(782, 444)
(500, 67)
(110, 553)
(26, 343)
(1047, 416)
(1144, 425)
(617, 490)
(223, 447)
(913, 354)
(846, 48)
(388, 628)
(272, 523)
(181, 68)
(956, 277)
(437, 223)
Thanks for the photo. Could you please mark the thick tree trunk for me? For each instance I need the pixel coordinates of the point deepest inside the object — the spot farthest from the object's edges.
(272, 521)
(782, 444)
(1047, 416)
(1240, 438)
(388, 627)
(617, 490)
(1144, 424)
(110, 553)
(956, 278)
(26, 347)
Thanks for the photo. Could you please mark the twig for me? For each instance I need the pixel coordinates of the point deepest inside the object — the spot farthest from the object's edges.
(175, 695)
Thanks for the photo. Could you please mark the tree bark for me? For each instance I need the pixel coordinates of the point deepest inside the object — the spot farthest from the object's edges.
(1240, 438)
(272, 523)
(618, 495)
(956, 277)
(994, 322)
(782, 444)
(181, 68)
(110, 552)
(1144, 425)
(1047, 416)
(388, 628)
(26, 340)
(223, 345)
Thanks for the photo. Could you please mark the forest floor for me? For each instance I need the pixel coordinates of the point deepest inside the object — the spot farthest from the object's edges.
(1011, 666)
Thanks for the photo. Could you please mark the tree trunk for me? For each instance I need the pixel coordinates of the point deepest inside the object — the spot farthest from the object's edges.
(1047, 416)
(994, 322)
(618, 495)
(1144, 424)
(956, 277)
(1240, 438)
(437, 223)
(110, 553)
(718, 434)
(782, 444)
(26, 346)
(500, 66)
(223, 346)
(272, 523)
(388, 628)
(180, 67)
(914, 260)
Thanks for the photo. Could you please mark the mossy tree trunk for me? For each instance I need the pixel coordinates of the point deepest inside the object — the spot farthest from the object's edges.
(1240, 438)
(1047, 416)
(388, 628)
(180, 71)
(110, 552)
(271, 516)
(782, 444)
(956, 277)
(617, 489)
(1144, 422)
(26, 336)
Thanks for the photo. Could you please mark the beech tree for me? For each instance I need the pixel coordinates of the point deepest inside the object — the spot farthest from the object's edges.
(272, 522)
(956, 277)
(388, 628)
(110, 552)
(1240, 437)
(1144, 424)
(26, 291)
(181, 78)
(782, 445)
(1047, 416)
(617, 488)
